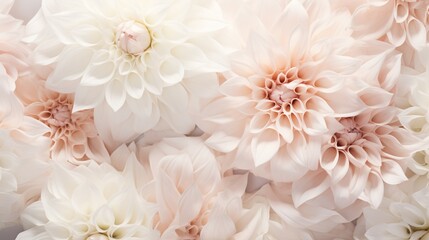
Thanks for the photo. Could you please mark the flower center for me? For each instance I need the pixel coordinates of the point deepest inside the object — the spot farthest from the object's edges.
(133, 37)
(60, 116)
(97, 237)
(281, 94)
(350, 133)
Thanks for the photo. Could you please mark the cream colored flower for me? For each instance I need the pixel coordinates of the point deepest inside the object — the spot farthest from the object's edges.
(91, 202)
(74, 136)
(137, 62)
(402, 214)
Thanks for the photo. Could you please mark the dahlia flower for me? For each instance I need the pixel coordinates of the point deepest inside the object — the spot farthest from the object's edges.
(90, 202)
(23, 155)
(412, 97)
(305, 222)
(402, 214)
(136, 62)
(74, 136)
(190, 191)
(13, 52)
(282, 96)
(367, 151)
(404, 23)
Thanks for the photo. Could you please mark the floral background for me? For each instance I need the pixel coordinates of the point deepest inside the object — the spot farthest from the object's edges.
(214, 119)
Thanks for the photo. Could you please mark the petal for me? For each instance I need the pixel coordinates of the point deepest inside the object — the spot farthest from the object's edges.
(171, 71)
(115, 94)
(315, 184)
(69, 70)
(134, 85)
(392, 172)
(98, 74)
(189, 205)
(264, 146)
(416, 33)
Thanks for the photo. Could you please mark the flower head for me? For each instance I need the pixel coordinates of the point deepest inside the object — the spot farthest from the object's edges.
(144, 60)
(73, 134)
(289, 85)
(99, 203)
(401, 215)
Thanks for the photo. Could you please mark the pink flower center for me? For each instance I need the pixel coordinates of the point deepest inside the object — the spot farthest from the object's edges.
(350, 133)
(133, 37)
(281, 94)
(61, 116)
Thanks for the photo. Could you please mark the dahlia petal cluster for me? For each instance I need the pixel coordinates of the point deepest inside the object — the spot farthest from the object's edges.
(214, 119)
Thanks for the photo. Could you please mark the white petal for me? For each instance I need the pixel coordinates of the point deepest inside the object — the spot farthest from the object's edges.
(115, 94)
(171, 71)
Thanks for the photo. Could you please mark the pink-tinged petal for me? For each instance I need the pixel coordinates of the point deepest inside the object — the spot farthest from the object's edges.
(167, 197)
(259, 122)
(264, 146)
(295, 36)
(341, 169)
(262, 54)
(314, 123)
(392, 172)
(313, 185)
(189, 205)
(381, 16)
(284, 127)
(236, 86)
(222, 142)
(348, 189)
(65, 78)
(375, 97)
(285, 169)
(329, 159)
(218, 219)
(351, 107)
(397, 34)
(374, 190)
(416, 33)
(305, 152)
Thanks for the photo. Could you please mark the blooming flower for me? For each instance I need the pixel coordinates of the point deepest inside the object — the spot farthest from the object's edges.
(402, 214)
(90, 202)
(74, 136)
(367, 151)
(404, 23)
(190, 190)
(135, 62)
(282, 96)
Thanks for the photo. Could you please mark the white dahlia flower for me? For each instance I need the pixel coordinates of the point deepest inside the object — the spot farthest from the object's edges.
(288, 86)
(94, 202)
(402, 215)
(135, 61)
(413, 98)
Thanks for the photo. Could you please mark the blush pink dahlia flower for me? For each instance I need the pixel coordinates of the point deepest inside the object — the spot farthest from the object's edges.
(191, 193)
(73, 134)
(366, 152)
(289, 85)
